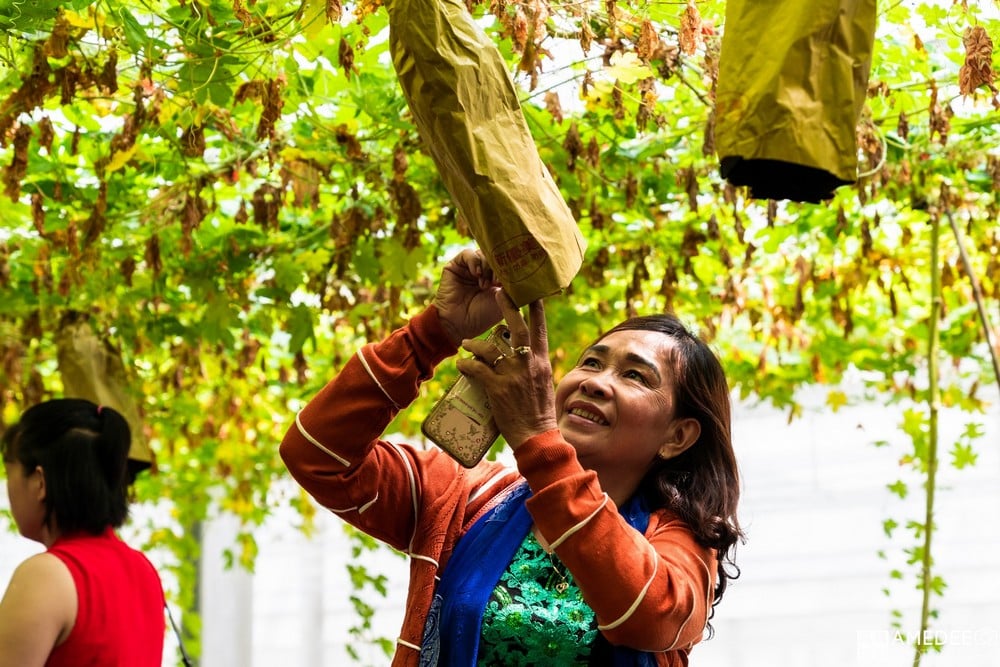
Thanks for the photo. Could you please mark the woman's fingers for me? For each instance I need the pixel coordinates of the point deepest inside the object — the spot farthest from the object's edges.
(538, 332)
(532, 333)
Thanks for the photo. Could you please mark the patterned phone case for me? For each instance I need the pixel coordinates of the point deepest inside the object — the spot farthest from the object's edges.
(461, 422)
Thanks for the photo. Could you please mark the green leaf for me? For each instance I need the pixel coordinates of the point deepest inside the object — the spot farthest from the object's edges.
(288, 273)
(836, 400)
(135, 34)
(962, 456)
(899, 488)
(300, 326)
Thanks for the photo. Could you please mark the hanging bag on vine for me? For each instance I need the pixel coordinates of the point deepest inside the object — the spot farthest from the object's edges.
(793, 75)
(466, 110)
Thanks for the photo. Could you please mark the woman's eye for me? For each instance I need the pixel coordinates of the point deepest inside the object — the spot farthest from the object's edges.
(589, 362)
(636, 375)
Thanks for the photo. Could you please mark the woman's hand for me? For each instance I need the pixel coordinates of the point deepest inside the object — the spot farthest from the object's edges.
(466, 297)
(519, 386)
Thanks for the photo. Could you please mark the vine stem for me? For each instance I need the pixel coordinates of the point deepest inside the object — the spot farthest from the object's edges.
(932, 460)
(977, 292)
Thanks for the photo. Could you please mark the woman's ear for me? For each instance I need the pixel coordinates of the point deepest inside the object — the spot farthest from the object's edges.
(683, 433)
(38, 483)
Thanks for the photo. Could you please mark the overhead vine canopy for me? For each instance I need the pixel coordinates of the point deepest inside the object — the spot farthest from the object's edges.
(233, 195)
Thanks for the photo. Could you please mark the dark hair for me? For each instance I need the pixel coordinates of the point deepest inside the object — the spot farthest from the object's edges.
(83, 452)
(701, 485)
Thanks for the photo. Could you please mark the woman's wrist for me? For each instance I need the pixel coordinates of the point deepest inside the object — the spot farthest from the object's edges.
(432, 344)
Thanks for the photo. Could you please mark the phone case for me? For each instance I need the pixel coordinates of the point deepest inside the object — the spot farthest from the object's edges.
(461, 422)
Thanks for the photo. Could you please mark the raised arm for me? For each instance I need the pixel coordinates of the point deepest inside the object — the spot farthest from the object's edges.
(335, 450)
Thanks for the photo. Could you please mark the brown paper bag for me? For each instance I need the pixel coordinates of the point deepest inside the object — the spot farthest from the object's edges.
(793, 76)
(92, 369)
(465, 107)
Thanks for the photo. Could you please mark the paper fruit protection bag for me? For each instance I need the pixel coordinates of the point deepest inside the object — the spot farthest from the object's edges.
(92, 369)
(793, 75)
(466, 110)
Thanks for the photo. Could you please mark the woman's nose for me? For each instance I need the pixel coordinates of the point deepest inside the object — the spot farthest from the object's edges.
(595, 385)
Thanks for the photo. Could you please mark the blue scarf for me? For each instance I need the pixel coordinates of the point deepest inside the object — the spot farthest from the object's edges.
(454, 623)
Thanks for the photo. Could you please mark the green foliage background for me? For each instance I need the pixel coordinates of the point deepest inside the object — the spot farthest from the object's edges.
(234, 194)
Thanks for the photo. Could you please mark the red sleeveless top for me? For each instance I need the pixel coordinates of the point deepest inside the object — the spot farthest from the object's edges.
(119, 617)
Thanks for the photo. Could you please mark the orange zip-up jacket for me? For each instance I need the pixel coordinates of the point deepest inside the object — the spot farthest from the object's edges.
(651, 592)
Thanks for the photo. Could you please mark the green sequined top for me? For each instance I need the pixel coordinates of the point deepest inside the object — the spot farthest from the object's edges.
(536, 614)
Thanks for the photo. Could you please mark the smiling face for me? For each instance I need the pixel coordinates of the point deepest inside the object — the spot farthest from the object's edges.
(616, 408)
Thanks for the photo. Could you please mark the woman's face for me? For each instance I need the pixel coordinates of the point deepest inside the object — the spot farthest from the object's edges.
(616, 407)
(26, 493)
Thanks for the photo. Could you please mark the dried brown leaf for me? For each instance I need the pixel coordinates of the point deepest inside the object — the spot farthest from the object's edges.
(46, 133)
(978, 67)
(586, 37)
(38, 213)
(573, 146)
(350, 142)
(18, 166)
(406, 202)
(903, 126)
(593, 153)
(128, 269)
(519, 33)
(272, 103)
(153, 258)
(193, 141)
(57, 45)
(647, 102)
(266, 204)
(649, 42)
(108, 78)
(97, 220)
(334, 11)
(553, 106)
(241, 13)
(689, 36)
(400, 163)
(345, 56)
(618, 102)
(708, 142)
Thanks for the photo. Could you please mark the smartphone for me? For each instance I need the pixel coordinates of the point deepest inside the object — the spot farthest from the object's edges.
(461, 422)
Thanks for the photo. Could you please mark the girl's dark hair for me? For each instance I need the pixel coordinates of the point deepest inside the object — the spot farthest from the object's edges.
(702, 485)
(83, 452)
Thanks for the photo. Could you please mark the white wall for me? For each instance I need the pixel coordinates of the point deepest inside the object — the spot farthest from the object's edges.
(814, 502)
(810, 593)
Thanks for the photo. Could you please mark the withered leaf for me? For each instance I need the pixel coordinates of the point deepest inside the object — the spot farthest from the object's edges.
(18, 166)
(334, 11)
(978, 67)
(689, 36)
(350, 142)
(553, 106)
(345, 56)
(649, 42)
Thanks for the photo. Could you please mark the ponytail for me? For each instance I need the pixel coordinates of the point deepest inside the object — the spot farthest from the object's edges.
(83, 450)
(112, 446)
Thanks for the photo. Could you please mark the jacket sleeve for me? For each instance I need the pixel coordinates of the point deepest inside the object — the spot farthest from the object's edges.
(335, 451)
(650, 592)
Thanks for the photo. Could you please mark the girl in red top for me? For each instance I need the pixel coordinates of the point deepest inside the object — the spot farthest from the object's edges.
(89, 599)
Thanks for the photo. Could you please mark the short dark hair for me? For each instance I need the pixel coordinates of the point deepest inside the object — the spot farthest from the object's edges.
(83, 452)
(701, 485)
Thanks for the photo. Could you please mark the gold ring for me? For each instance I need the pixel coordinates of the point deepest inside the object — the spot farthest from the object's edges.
(522, 349)
(498, 360)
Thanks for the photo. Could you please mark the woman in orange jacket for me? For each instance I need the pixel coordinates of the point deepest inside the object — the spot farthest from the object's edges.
(609, 542)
